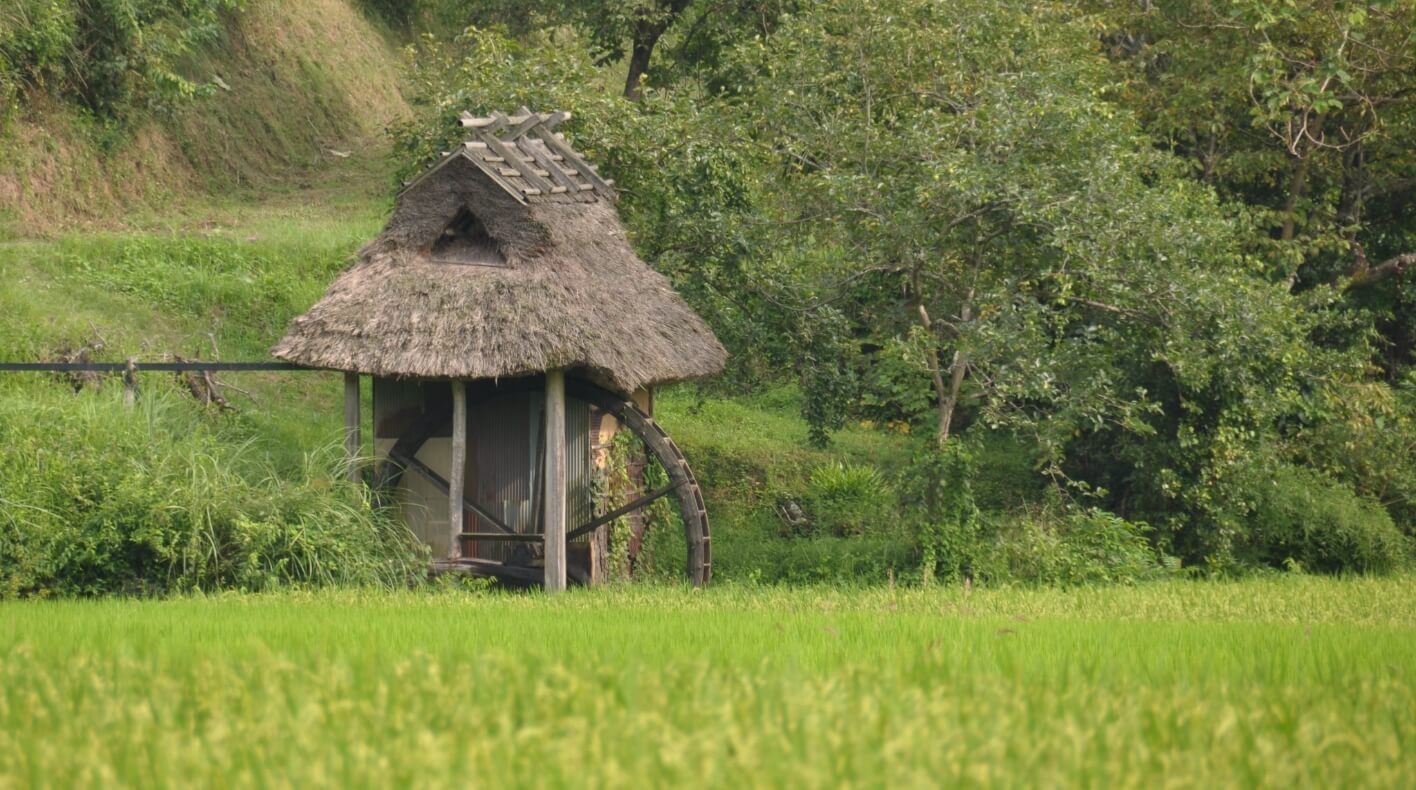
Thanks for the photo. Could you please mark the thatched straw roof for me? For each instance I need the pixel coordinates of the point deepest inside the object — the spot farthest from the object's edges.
(505, 259)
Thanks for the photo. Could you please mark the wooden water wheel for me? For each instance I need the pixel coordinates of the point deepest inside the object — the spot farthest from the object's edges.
(520, 567)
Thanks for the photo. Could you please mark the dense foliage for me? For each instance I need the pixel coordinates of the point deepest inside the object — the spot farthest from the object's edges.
(109, 57)
(982, 218)
(98, 499)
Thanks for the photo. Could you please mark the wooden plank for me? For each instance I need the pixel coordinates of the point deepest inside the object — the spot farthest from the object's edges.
(353, 441)
(573, 159)
(458, 473)
(522, 168)
(514, 537)
(555, 550)
(538, 151)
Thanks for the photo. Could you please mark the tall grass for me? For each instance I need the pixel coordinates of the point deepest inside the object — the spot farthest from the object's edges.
(97, 498)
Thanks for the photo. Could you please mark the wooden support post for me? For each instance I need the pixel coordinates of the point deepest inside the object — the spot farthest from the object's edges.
(555, 481)
(130, 383)
(353, 441)
(458, 473)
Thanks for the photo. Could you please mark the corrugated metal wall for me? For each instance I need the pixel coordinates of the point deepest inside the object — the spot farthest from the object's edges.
(499, 466)
(578, 508)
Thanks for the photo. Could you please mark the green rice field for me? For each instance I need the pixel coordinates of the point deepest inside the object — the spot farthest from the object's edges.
(1283, 681)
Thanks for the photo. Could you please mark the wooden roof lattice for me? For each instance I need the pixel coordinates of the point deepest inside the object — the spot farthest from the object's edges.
(526, 156)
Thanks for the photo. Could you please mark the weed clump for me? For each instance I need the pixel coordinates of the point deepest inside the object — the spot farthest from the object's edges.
(1302, 519)
(97, 499)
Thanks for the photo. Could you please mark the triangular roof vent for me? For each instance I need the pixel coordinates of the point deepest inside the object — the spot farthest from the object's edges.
(466, 241)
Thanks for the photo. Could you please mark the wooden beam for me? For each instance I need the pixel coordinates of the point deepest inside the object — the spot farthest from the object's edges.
(557, 145)
(514, 537)
(491, 125)
(353, 441)
(542, 156)
(458, 472)
(551, 120)
(555, 481)
(520, 124)
(538, 473)
(513, 158)
(481, 567)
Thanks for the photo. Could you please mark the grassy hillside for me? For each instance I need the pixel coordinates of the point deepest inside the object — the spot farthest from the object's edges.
(302, 81)
(215, 278)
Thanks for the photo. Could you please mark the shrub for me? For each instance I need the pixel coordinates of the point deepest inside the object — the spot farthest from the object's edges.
(938, 496)
(1303, 517)
(871, 559)
(1076, 547)
(1369, 443)
(111, 55)
(847, 499)
(97, 499)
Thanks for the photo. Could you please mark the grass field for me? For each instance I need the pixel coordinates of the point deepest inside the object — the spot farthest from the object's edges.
(1298, 680)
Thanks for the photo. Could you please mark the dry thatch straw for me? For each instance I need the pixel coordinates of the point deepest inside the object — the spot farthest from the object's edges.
(552, 283)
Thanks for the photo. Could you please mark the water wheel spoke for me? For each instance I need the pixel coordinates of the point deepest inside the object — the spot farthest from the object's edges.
(624, 509)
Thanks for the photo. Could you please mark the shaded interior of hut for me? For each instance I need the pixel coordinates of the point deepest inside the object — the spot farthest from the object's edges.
(504, 464)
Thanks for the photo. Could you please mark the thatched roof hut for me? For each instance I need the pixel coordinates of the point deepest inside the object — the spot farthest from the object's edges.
(510, 331)
(506, 258)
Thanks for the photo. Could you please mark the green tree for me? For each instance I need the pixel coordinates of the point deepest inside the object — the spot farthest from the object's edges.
(989, 217)
(1301, 112)
(108, 56)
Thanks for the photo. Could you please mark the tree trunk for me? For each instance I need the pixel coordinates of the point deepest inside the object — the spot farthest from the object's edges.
(1349, 208)
(957, 369)
(1297, 188)
(941, 392)
(639, 59)
(948, 394)
(639, 63)
(647, 32)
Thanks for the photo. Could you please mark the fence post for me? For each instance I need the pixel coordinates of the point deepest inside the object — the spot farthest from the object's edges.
(130, 383)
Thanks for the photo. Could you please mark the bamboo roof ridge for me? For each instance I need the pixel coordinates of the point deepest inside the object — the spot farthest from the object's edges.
(505, 258)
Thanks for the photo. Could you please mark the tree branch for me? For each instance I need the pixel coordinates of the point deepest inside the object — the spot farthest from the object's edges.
(1391, 267)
